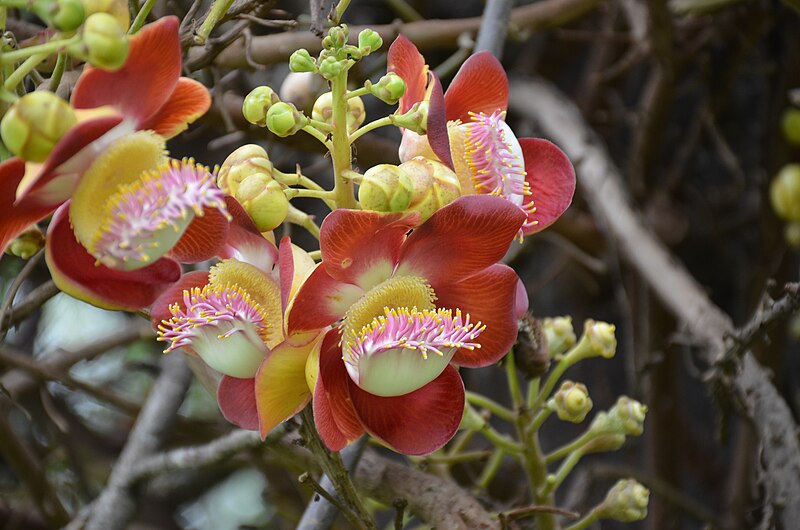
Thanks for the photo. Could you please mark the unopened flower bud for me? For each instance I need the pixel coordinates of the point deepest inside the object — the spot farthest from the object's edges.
(625, 417)
(302, 89)
(601, 337)
(369, 41)
(63, 15)
(385, 188)
(240, 164)
(323, 111)
(784, 192)
(626, 501)
(416, 119)
(791, 233)
(791, 125)
(330, 67)
(433, 185)
(530, 352)
(559, 334)
(603, 444)
(27, 243)
(264, 200)
(116, 8)
(35, 123)
(471, 420)
(257, 103)
(389, 88)
(105, 42)
(338, 36)
(284, 119)
(572, 402)
(301, 61)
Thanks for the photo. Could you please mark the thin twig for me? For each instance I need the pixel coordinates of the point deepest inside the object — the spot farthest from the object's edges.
(35, 299)
(494, 27)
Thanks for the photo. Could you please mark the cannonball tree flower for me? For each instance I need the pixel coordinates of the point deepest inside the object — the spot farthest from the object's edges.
(147, 93)
(232, 319)
(409, 308)
(532, 173)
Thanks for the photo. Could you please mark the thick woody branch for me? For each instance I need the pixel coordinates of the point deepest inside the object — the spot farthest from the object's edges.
(601, 184)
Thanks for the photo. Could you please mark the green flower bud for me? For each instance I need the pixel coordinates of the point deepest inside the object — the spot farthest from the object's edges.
(284, 119)
(791, 233)
(323, 111)
(116, 8)
(601, 337)
(603, 444)
(791, 125)
(389, 88)
(433, 185)
(301, 61)
(471, 420)
(369, 41)
(416, 119)
(264, 200)
(63, 15)
(35, 123)
(331, 67)
(338, 36)
(257, 103)
(625, 417)
(531, 354)
(559, 334)
(626, 501)
(572, 402)
(105, 42)
(27, 243)
(240, 164)
(784, 192)
(385, 188)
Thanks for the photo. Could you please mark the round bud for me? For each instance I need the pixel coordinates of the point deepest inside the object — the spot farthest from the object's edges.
(301, 61)
(385, 188)
(433, 185)
(416, 119)
(105, 42)
(572, 402)
(338, 36)
(27, 243)
(63, 15)
(323, 111)
(35, 123)
(283, 119)
(302, 89)
(369, 41)
(264, 200)
(330, 67)
(116, 8)
(257, 103)
(626, 501)
(559, 334)
(791, 125)
(389, 88)
(784, 193)
(601, 337)
(240, 164)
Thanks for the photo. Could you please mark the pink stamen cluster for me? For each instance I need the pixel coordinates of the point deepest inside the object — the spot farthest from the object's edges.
(496, 168)
(212, 306)
(411, 329)
(159, 199)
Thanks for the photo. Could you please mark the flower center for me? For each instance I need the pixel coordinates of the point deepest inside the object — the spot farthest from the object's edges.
(222, 325)
(148, 216)
(405, 349)
(495, 157)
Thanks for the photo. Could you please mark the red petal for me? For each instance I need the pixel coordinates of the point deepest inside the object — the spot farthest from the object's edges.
(174, 295)
(490, 297)
(552, 180)
(437, 135)
(141, 87)
(334, 416)
(405, 60)
(237, 401)
(464, 237)
(189, 101)
(15, 217)
(74, 272)
(361, 247)
(204, 238)
(480, 85)
(245, 242)
(286, 264)
(521, 302)
(321, 301)
(416, 423)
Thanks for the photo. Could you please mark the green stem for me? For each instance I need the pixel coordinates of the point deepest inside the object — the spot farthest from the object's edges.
(301, 218)
(513, 381)
(295, 179)
(58, 71)
(292, 193)
(218, 10)
(492, 406)
(490, 469)
(319, 135)
(574, 445)
(371, 126)
(40, 50)
(22, 70)
(580, 351)
(470, 456)
(341, 153)
(363, 91)
(582, 524)
(500, 441)
(539, 419)
(141, 16)
(341, 7)
(321, 125)
(316, 255)
(554, 481)
(533, 391)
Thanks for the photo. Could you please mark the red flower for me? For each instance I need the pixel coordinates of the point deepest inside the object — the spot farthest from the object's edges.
(532, 173)
(409, 305)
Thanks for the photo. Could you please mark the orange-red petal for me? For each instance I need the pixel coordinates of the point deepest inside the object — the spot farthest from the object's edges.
(204, 238)
(552, 181)
(188, 102)
(480, 85)
(74, 271)
(174, 295)
(405, 60)
(320, 302)
(15, 217)
(237, 401)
